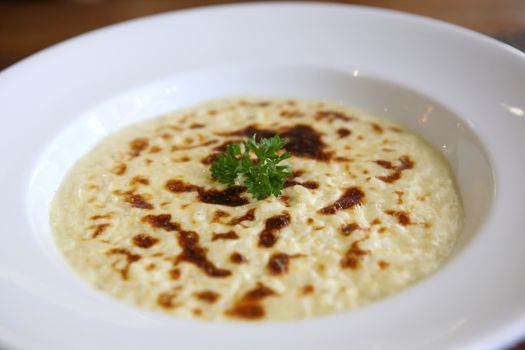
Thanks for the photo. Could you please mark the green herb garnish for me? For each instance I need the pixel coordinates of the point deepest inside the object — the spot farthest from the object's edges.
(262, 176)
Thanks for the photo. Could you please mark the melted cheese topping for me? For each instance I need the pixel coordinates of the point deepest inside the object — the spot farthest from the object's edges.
(371, 209)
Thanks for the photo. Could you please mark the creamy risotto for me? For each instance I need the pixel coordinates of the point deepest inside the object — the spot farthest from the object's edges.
(369, 210)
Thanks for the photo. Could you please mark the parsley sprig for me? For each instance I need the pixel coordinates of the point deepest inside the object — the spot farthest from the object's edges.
(262, 176)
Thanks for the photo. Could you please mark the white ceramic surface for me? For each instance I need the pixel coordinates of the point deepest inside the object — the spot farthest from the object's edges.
(463, 92)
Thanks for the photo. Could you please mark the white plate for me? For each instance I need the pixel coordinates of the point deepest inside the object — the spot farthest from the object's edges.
(463, 92)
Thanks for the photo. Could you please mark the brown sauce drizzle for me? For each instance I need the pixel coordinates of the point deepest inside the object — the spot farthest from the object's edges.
(290, 181)
(197, 126)
(137, 201)
(178, 186)
(385, 164)
(162, 221)
(278, 263)
(251, 130)
(226, 235)
(137, 146)
(402, 216)
(102, 216)
(376, 221)
(348, 229)
(99, 229)
(248, 216)
(285, 200)
(268, 237)
(383, 264)
(143, 240)
(119, 169)
(351, 259)
(343, 132)
(352, 197)
(167, 299)
(237, 258)
(208, 296)
(404, 163)
(130, 259)
(308, 289)
(193, 253)
(255, 104)
(343, 159)
(291, 113)
(155, 149)
(297, 173)
(166, 136)
(330, 116)
(174, 273)
(139, 180)
(377, 128)
(258, 293)
(175, 148)
(399, 196)
(93, 187)
(249, 311)
(210, 159)
(303, 141)
(230, 196)
(311, 185)
(249, 306)
(218, 214)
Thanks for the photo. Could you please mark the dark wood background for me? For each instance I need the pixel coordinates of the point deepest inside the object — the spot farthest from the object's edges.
(29, 26)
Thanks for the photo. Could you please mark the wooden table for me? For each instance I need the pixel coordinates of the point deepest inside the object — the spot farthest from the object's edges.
(29, 26)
